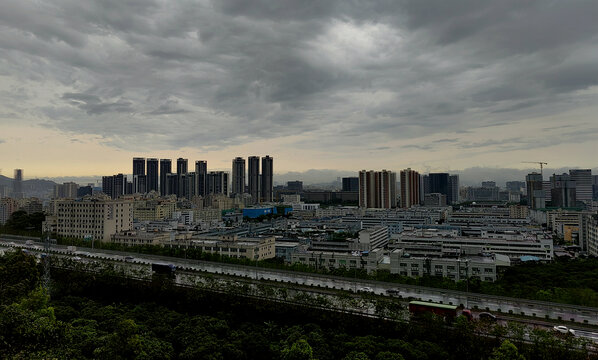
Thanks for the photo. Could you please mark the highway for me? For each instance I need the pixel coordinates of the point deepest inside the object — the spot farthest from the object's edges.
(537, 312)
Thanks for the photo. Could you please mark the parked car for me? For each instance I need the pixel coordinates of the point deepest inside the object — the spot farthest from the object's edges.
(486, 316)
(366, 289)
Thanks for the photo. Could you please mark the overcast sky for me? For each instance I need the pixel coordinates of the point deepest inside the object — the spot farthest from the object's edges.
(345, 85)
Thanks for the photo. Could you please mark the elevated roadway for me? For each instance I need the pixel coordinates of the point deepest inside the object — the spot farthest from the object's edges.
(539, 311)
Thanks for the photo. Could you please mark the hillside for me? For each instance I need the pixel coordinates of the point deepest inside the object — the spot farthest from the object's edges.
(40, 188)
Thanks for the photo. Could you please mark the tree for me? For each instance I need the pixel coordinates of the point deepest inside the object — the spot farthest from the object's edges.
(356, 355)
(18, 276)
(300, 350)
(387, 355)
(506, 351)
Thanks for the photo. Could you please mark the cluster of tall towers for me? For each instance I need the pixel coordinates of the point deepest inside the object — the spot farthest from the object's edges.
(378, 189)
(157, 175)
(258, 185)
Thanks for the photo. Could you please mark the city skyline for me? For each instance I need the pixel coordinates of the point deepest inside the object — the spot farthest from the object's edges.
(328, 86)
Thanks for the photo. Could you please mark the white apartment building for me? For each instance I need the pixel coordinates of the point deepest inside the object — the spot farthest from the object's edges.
(92, 218)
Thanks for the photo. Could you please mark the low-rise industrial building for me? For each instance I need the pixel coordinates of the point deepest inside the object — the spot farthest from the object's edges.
(514, 249)
(454, 268)
(367, 260)
(254, 248)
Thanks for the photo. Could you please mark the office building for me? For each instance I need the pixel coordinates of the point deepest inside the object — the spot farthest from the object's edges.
(296, 186)
(181, 170)
(453, 189)
(547, 189)
(535, 192)
(489, 184)
(583, 184)
(563, 191)
(181, 166)
(267, 179)
(172, 184)
(425, 185)
(410, 188)
(238, 179)
(218, 182)
(115, 185)
(165, 169)
(139, 184)
(152, 175)
(350, 184)
(67, 190)
(439, 183)
(595, 187)
(191, 185)
(254, 186)
(201, 171)
(138, 166)
(515, 186)
(85, 191)
(484, 193)
(17, 185)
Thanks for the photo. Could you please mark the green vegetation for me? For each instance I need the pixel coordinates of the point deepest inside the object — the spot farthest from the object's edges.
(564, 281)
(21, 223)
(102, 316)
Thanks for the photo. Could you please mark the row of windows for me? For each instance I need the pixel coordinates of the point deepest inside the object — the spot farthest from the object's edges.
(450, 276)
(448, 267)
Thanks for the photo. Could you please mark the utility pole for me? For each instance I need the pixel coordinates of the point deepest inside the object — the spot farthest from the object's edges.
(46, 276)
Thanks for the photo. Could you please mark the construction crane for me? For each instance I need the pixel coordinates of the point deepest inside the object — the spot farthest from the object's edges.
(537, 162)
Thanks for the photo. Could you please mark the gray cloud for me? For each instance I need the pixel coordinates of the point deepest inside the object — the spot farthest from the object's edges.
(93, 105)
(164, 75)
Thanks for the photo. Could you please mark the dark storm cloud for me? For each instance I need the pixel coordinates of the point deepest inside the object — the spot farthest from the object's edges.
(181, 73)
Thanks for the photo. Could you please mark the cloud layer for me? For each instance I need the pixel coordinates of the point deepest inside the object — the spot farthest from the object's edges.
(163, 75)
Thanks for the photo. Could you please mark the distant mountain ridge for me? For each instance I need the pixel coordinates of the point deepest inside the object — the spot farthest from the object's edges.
(40, 188)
